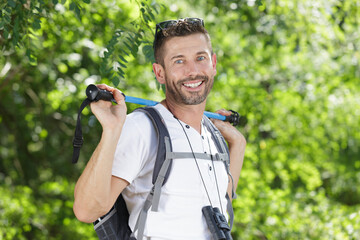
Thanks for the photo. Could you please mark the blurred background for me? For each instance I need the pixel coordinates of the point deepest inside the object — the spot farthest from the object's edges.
(289, 67)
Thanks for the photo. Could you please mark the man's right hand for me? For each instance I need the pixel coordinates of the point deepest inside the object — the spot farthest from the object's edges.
(111, 117)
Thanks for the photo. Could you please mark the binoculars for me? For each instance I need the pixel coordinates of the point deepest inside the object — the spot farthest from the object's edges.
(217, 223)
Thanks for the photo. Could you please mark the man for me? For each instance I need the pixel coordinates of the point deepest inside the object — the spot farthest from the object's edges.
(124, 158)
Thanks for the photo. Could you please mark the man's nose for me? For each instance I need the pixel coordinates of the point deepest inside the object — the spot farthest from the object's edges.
(192, 69)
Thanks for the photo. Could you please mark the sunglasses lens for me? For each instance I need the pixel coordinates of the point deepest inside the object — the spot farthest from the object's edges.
(195, 21)
(166, 24)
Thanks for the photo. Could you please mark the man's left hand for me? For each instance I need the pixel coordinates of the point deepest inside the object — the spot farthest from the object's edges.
(229, 132)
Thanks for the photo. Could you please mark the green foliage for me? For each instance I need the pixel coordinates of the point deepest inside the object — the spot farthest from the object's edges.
(290, 68)
(40, 95)
(42, 214)
(24, 18)
(131, 36)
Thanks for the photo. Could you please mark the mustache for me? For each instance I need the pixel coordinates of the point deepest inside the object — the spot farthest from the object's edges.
(197, 77)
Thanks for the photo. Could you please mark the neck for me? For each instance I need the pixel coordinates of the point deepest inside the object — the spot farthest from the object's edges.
(189, 114)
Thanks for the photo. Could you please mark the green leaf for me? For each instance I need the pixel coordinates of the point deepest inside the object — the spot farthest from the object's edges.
(78, 11)
(121, 71)
(149, 53)
(155, 9)
(124, 52)
(128, 46)
(36, 25)
(115, 80)
(72, 6)
(130, 38)
(122, 64)
(86, 1)
(8, 10)
(146, 18)
(6, 33)
(121, 75)
(11, 3)
(7, 19)
(123, 59)
(152, 16)
(31, 57)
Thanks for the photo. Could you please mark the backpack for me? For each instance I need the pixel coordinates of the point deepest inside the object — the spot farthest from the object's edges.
(114, 224)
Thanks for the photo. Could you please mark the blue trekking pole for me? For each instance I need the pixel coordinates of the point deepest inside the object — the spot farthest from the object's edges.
(95, 94)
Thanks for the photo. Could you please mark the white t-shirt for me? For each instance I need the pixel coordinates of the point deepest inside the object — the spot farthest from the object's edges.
(184, 195)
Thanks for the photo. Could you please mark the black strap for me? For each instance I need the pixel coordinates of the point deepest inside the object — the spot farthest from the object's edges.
(78, 138)
(162, 132)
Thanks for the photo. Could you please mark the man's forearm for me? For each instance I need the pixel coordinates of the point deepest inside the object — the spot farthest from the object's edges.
(237, 152)
(93, 189)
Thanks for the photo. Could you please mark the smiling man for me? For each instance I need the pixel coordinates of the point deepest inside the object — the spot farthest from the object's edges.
(123, 162)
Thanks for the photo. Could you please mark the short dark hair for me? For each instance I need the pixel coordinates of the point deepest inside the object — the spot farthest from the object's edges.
(179, 29)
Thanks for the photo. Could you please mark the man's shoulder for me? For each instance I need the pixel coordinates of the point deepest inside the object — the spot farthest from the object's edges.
(137, 115)
(138, 121)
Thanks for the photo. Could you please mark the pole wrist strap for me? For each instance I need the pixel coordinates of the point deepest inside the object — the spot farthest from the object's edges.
(78, 138)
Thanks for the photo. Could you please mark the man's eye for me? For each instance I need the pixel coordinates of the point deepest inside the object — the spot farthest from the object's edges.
(201, 58)
(179, 61)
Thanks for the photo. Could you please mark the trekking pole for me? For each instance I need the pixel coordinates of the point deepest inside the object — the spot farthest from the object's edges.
(95, 94)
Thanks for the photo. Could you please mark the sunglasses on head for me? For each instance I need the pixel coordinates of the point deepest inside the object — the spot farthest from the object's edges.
(166, 24)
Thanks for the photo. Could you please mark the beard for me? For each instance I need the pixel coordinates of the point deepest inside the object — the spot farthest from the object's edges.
(188, 98)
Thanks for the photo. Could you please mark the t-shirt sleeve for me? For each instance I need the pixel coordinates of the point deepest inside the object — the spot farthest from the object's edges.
(135, 148)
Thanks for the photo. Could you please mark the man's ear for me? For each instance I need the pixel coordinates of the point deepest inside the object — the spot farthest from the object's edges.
(213, 59)
(159, 73)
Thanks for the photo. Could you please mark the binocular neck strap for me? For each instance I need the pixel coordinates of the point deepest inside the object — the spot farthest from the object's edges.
(78, 138)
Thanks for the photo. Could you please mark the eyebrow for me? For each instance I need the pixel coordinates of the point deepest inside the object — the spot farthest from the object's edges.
(202, 52)
(180, 55)
(177, 56)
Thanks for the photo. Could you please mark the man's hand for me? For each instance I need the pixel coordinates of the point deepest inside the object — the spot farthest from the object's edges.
(110, 116)
(237, 144)
(229, 132)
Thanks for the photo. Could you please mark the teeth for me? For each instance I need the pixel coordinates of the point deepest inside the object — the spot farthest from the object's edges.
(192, 85)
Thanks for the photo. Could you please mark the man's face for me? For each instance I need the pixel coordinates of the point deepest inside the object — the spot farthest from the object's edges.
(189, 69)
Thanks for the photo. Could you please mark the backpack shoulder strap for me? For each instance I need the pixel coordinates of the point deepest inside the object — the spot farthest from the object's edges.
(161, 170)
(221, 147)
(163, 134)
(225, 154)
(217, 137)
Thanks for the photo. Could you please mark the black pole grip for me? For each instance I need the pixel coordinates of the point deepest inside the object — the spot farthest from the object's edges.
(94, 93)
(233, 118)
